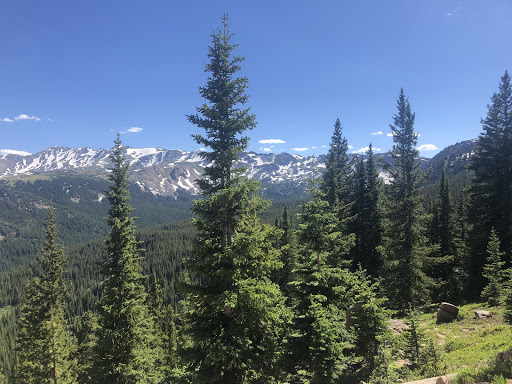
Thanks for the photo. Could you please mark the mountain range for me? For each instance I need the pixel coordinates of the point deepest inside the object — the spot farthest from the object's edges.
(163, 172)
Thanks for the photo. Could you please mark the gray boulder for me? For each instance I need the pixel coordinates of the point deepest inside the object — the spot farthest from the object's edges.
(447, 312)
(481, 314)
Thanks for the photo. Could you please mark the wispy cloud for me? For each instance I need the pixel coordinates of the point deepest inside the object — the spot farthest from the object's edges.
(13, 152)
(324, 146)
(455, 10)
(272, 141)
(265, 149)
(202, 149)
(350, 146)
(377, 133)
(132, 130)
(365, 149)
(427, 147)
(300, 149)
(20, 117)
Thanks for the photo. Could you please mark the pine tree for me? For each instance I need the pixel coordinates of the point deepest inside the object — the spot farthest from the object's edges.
(414, 338)
(127, 350)
(448, 267)
(44, 346)
(405, 248)
(336, 177)
(165, 329)
(287, 244)
(319, 338)
(493, 271)
(371, 323)
(235, 311)
(367, 213)
(491, 192)
(87, 346)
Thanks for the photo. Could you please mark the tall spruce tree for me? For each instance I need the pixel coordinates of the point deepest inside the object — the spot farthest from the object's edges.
(491, 188)
(127, 350)
(367, 214)
(493, 271)
(234, 316)
(405, 248)
(319, 338)
(44, 346)
(336, 182)
(370, 324)
(448, 269)
(287, 244)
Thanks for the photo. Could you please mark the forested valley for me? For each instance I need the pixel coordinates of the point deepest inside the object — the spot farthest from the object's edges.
(235, 289)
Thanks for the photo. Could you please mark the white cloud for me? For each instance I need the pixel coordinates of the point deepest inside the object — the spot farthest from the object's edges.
(266, 149)
(202, 149)
(132, 130)
(272, 141)
(324, 146)
(377, 133)
(26, 117)
(365, 149)
(313, 147)
(350, 146)
(7, 120)
(427, 147)
(299, 149)
(13, 152)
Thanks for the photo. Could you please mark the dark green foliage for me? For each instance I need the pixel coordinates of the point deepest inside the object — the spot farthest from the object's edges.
(7, 340)
(44, 347)
(165, 329)
(287, 245)
(491, 193)
(405, 248)
(414, 338)
(449, 268)
(87, 347)
(128, 351)
(371, 325)
(235, 316)
(336, 177)
(368, 218)
(419, 348)
(493, 271)
(235, 310)
(319, 339)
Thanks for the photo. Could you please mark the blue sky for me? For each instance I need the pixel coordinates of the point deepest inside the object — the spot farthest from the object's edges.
(73, 73)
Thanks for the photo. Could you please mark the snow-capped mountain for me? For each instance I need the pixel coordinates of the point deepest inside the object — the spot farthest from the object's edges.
(167, 172)
(157, 170)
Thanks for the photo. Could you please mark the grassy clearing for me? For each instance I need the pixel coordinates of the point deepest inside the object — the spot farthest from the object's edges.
(467, 345)
(470, 342)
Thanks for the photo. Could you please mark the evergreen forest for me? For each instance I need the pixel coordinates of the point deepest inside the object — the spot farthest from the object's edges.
(233, 288)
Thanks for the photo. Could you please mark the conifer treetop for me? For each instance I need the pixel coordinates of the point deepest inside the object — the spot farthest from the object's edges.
(222, 116)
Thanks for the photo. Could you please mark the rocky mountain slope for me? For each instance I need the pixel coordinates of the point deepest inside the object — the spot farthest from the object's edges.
(171, 172)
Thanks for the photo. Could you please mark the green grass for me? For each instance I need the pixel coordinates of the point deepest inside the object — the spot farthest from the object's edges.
(469, 345)
(470, 342)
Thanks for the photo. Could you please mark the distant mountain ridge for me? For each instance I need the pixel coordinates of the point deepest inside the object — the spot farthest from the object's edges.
(167, 172)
